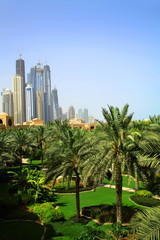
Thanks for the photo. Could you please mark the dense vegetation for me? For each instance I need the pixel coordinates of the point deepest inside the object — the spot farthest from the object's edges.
(81, 158)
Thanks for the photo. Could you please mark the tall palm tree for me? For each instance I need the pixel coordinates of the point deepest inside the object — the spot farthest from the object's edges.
(113, 146)
(20, 140)
(65, 157)
(39, 136)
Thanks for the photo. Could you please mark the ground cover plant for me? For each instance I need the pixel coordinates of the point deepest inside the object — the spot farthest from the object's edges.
(46, 212)
(107, 213)
(145, 198)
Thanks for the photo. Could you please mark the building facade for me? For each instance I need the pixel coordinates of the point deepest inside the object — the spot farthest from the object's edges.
(7, 102)
(71, 112)
(20, 71)
(55, 104)
(30, 106)
(18, 99)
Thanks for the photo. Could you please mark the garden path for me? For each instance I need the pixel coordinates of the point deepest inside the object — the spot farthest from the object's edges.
(123, 188)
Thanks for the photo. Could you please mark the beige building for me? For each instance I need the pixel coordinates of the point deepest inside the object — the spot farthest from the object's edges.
(71, 112)
(40, 105)
(7, 121)
(7, 102)
(18, 99)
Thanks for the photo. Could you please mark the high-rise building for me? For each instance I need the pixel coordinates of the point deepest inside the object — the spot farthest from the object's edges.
(30, 106)
(40, 96)
(20, 71)
(85, 115)
(80, 114)
(18, 99)
(71, 112)
(60, 114)
(39, 84)
(31, 79)
(47, 91)
(7, 102)
(90, 119)
(55, 104)
(40, 105)
(64, 116)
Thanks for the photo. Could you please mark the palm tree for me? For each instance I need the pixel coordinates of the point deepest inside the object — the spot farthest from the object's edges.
(20, 140)
(146, 224)
(113, 145)
(65, 157)
(39, 135)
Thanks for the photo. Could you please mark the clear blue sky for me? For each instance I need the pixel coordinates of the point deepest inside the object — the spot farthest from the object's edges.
(100, 51)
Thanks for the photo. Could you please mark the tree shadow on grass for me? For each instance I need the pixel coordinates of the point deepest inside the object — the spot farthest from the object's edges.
(51, 232)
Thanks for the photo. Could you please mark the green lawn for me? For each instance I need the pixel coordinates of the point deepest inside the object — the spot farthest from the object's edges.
(127, 182)
(102, 195)
(18, 230)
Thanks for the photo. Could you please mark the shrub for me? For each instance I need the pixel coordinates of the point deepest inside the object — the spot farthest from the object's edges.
(107, 213)
(144, 201)
(47, 213)
(118, 231)
(91, 233)
(143, 193)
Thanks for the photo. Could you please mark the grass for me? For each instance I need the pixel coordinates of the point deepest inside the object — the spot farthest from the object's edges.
(18, 230)
(127, 182)
(34, 162)
(102, 195)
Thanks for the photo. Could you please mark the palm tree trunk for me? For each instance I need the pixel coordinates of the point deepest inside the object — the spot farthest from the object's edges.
(119, 193)
(20, 155)
(77, 197)
(136, 181)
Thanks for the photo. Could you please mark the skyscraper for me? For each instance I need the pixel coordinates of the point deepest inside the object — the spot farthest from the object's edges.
(40, 96)
(47, 91)
(55, 104)
(30, 106)
(80, 114)
(7, 102)
(71, 112)
(40, 105)
(60, 114)
(20, 71)
(18, 99)
(31, 79)
(85, 115)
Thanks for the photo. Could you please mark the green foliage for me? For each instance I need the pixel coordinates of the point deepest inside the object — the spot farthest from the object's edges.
(91, 233)
(107, 213)
(146, 224)
(143, 193)
(144, 201)
(118, 231)
(47, 213)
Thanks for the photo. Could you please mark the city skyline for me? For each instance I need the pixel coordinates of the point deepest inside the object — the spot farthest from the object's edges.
(99, 52)
(34, 98)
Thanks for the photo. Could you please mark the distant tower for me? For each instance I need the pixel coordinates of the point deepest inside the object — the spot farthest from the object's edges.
(30, 107)
(31, 79)
(55, 104)
(60, 114)
(80, 114)
(91, 119)
(47, 91)
(7, 102)
(85, 115)
(71, 112)
(20, 71)
(18, 99)
(40, 104)
(40, 95)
